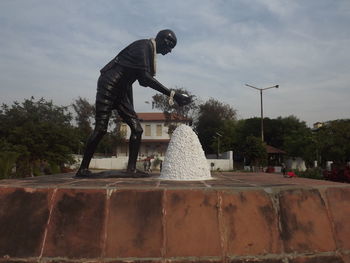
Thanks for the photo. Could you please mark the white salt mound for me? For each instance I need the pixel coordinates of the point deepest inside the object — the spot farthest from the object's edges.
(184, 158)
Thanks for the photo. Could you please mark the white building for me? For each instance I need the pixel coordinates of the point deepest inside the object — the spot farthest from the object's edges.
(155, 140)
(155, 137)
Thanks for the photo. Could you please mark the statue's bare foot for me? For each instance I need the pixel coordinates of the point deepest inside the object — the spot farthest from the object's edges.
(83, 173)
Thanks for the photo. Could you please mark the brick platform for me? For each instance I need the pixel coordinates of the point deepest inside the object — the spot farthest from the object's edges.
(235, 218)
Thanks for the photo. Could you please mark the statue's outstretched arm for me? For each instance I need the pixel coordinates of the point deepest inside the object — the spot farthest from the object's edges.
(146, 80)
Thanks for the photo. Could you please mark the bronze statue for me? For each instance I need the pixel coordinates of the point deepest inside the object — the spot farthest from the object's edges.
(114, 92)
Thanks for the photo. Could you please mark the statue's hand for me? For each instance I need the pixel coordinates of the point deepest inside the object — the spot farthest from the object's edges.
(182, 99)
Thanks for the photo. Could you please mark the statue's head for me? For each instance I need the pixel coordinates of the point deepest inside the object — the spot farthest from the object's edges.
(166, 41)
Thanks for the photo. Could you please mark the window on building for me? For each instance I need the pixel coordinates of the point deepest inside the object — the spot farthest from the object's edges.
(147, 130)
(159, 130)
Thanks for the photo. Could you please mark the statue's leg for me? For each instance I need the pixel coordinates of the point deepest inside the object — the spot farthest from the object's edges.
(134, 141)
(90, 148)
(134, 145)
(103, 112)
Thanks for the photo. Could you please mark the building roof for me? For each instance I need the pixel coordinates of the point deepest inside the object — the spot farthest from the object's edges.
(271, 149)
(159, 116)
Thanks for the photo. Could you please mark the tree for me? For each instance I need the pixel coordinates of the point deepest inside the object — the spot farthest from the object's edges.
(254, 150)
(85, 112)
(115, 136)
(8, 157)
(174, 113)
(39, 131)
(226, 141)
(287, 133)
(213, 118)
(333, 141)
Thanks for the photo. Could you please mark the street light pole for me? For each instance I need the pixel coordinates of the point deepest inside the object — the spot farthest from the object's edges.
(219, 135)
(261, 106)
(261, 116)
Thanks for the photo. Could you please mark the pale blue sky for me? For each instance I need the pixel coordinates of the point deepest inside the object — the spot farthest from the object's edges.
(54, 49)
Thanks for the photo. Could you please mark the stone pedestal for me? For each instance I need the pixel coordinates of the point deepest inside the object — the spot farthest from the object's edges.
(236, 217)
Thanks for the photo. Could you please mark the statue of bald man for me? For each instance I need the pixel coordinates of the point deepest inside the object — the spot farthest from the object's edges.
(114, 92)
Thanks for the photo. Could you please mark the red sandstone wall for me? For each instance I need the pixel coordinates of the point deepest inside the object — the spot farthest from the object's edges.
(169, 225)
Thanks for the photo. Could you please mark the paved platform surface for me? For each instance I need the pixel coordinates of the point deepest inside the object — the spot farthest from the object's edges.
(233, 218)
(220, 180)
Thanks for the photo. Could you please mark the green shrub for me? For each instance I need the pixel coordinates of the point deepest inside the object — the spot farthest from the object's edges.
(7, 162)
(36, 169)
(54, 168)
(312, 173)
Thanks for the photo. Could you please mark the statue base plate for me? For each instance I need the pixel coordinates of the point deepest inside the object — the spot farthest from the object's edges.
(112, 174)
